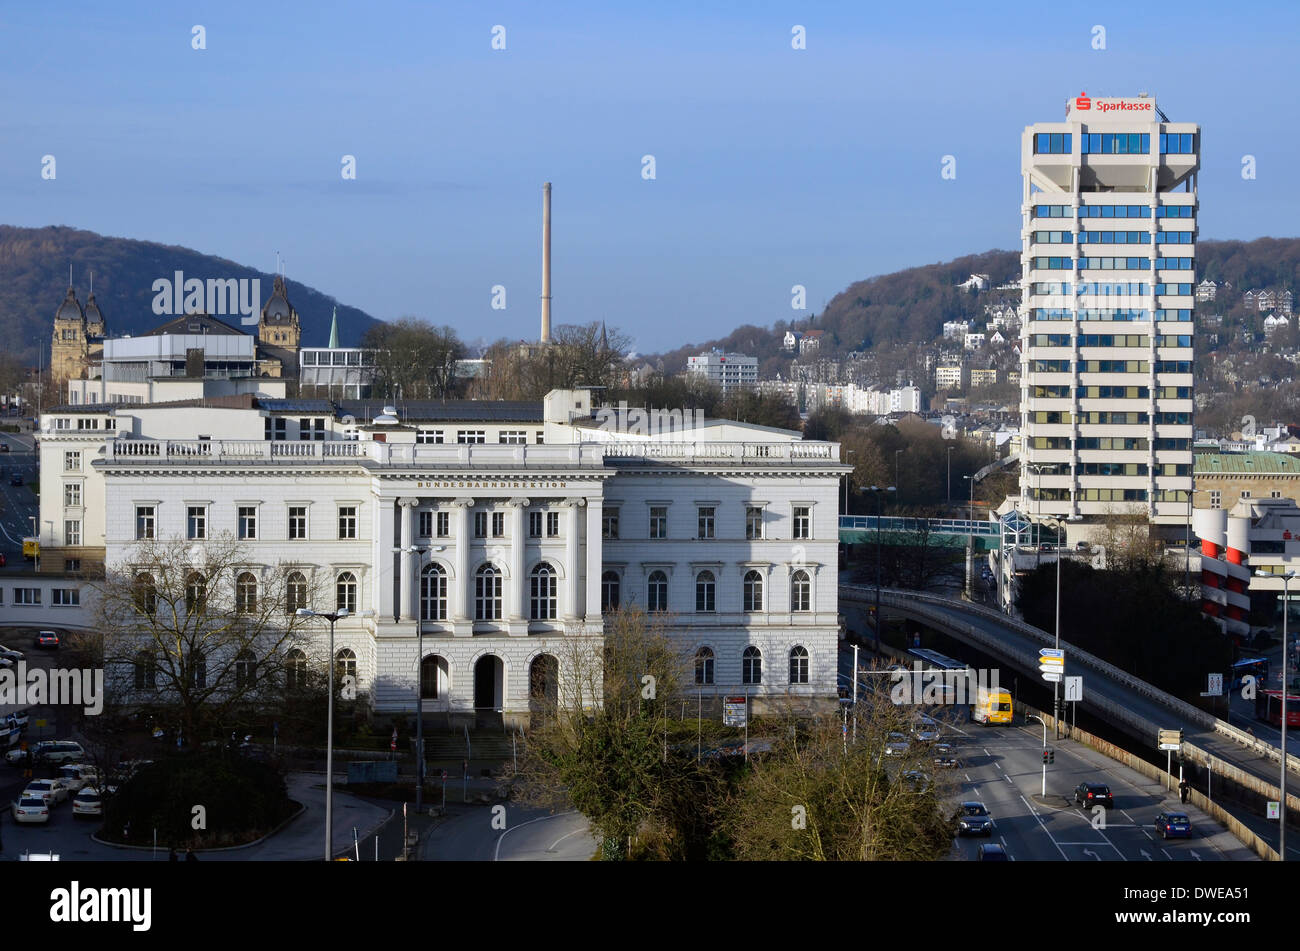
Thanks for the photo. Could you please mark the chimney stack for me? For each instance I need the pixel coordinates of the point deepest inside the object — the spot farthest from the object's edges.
(546, 263)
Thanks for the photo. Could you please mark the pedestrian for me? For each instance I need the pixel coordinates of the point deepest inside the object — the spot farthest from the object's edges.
(1183, 789)
(171, 854)
(190, 856)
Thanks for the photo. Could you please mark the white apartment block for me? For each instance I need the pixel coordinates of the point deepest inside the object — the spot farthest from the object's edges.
(1108, 276)
(498, 530)
(727, 371)
(950, 377)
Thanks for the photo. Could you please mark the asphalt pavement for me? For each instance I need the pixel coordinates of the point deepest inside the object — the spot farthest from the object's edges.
(17, 503)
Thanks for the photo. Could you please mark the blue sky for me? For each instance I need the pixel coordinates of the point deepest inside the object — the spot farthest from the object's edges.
(774, 166)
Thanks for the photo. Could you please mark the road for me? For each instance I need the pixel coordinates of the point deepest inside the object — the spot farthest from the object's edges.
(475, 834)
(17, 503)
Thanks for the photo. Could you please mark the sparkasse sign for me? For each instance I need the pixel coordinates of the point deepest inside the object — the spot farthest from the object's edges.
(1139, 106)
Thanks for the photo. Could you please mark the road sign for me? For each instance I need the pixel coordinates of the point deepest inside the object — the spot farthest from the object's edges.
(1171, 740)
(1051, 652)
(735, 711)
(1275, 809)
(1053, 677)
(1214, 687)
(1073, 688)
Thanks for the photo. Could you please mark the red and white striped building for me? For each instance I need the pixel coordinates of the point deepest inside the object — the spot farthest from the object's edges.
(1254, 535)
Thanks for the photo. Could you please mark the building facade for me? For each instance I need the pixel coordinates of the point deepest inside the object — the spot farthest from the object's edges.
(727, 371)
(1109, 207)
(500, 532)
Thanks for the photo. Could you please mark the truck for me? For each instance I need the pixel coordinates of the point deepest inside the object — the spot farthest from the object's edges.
(991, 705)
(31, 547)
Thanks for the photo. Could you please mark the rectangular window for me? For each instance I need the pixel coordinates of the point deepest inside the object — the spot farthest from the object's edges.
(498, 524)
(480, 524)
(541, 436)
(144, 521)
(552, 524)
(426, 524)
(1276, 494)
(658, 521)
(297, 522)
(72, 493)
(72, 531)
(71, 564)
(248, 521)
(512, 437)
(609, 523)
(72, 461)
(802, 522)
(753, 522)
(196, 522)
(535, 524)
(471, 436)
(428, 436)
(27, 595)
(705, 524)
(281, 428)
(1245, 494)
(444, 524)
(348, 521)
(66, 597)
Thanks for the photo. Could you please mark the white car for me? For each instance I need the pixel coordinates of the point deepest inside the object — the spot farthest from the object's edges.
(88, 802)
(10, 653)
(53, 791)
(31, 809)
(77, 775)
(926, 729)
(896, 744)
(49, 751)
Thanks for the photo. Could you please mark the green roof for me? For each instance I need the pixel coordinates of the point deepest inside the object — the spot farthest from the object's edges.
(1247, 463)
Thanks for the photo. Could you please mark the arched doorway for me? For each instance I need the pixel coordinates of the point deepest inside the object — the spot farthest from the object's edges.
(488, 676)
(543, 687)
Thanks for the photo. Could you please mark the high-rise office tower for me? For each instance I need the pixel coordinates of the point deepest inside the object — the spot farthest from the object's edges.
(1108, 283)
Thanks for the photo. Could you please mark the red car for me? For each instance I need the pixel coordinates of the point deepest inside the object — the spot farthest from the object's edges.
(2, 559)
(47, 639)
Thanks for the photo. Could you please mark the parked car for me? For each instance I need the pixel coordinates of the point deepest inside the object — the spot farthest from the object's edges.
(53, 791)
(945, 757)
(992, 852)
(10, 653)
(49, 640)
(78, 775)
(926, 729)
(48, 751)
(1173, 824)
(974, 819)
(89, 801)
(896, 744)
(31, 809)
(1083, 546)
(916, 781)
(1093, 794)
(1046, 546)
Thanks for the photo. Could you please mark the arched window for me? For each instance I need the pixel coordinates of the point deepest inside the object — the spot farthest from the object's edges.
(345, 592)
(704, 666)
(751, 666)
(246, 593)
(295, 670)
(196, 593)
(345, 665)
(146, 593)
(245, 670)
(657, 592)
(198, 669)
(432, 674)
(295, 592)
(753, 591)
(433, 593)
(543, 593)
(798, 665)
(705, 587)
(487, 594)
(146, 672)
(800, 592)
(609, 591)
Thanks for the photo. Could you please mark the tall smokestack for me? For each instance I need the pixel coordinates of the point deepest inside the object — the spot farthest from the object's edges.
(546, 262)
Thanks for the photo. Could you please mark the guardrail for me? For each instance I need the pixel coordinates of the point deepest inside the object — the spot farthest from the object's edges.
(911, 600)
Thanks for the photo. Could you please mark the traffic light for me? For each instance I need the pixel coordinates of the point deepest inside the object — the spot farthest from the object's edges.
(1049, 756)
(1045, 759)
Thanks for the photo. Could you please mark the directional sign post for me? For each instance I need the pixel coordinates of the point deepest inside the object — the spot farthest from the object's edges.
(1169, 741)
(1051, 663)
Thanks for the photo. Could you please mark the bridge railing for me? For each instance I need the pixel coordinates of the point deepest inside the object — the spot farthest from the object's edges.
(895, 523)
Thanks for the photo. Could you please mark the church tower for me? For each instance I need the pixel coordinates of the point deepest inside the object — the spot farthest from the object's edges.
(70, 349)
(279, 325)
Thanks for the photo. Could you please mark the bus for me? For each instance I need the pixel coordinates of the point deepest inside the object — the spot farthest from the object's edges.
(1256, 667)
(1268, 707)
(31, 547)
(991, 706)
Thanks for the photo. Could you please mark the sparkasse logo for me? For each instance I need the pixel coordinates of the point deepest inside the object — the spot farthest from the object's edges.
(1082, 102)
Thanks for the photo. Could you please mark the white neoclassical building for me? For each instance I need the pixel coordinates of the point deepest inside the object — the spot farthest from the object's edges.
(493, 530)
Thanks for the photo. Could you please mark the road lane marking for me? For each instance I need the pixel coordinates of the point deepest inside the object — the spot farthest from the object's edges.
(496, 853)
(1043, 826)
(563, 837)
(1166, 851)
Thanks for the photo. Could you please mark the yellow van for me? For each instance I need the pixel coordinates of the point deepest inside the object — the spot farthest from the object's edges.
(992, 705)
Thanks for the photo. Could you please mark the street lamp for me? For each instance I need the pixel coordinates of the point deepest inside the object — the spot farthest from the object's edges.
(332, 617)
(848, 477)
(878, 492)
(950, 449)
(1286, 650)
(1058, 525)
(1030, 716)
(898, 481)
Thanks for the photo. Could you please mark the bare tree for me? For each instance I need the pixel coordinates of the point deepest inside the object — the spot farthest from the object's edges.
(414, 360)
(199, 630)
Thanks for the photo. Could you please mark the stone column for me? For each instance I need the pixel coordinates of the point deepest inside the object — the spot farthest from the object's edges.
(462, 594)
(572, 606)
(595, 557)
(385, 545)
(404, 581)
(518, 563)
